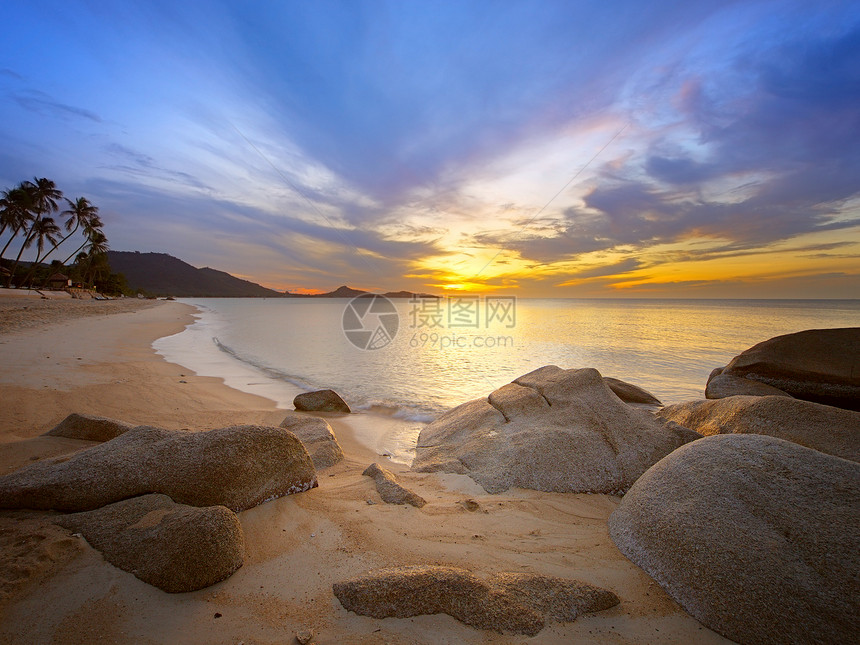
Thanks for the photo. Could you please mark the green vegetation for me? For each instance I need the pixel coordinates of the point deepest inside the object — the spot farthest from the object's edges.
(27, 221)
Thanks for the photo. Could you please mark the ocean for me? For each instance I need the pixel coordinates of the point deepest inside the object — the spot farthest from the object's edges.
(409, 361)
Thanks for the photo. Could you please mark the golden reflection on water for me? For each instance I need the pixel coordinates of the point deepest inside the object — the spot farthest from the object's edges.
(442, 358)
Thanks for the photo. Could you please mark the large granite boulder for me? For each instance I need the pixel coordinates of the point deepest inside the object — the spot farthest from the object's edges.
(821, 427)
(389, 488)
(521, 603)
(821, 365)
(756, 537)
(321, 401)
(552, 430)
(89, 428)
(237, 467)
(171, 546)
(317, 437)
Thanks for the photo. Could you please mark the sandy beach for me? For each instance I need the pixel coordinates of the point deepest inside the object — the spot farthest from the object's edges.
(54, 588)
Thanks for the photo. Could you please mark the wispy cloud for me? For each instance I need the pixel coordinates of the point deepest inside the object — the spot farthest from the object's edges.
(43, 103)
(412, 144)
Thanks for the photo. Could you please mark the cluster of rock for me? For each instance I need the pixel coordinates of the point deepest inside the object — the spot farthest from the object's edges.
(744, 507)
(756, 522)
(818, 365)
(551, 430)
(518, 603)
(755, 529)
(162, 504)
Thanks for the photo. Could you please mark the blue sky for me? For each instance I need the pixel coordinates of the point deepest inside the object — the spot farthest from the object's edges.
(687, 149)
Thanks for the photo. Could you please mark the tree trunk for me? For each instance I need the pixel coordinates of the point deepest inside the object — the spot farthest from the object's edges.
(26, 243)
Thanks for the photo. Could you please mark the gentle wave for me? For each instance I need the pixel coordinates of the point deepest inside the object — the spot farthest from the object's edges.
(271, 372)
(389, 408)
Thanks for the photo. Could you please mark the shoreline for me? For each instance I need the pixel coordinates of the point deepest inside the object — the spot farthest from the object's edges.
(373, 427)
(297, 546)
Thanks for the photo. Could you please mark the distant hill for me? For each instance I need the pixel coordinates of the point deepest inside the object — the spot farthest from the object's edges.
(349, 292)
(407, 294)
(164, 275)
(161, 274)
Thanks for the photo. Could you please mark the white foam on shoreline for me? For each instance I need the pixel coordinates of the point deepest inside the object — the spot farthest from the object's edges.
(197, 348)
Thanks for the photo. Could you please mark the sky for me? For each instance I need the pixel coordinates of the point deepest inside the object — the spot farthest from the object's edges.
(533, 148)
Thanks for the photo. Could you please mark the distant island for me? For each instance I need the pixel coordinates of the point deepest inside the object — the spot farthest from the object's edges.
(160, 274)
(349, 292)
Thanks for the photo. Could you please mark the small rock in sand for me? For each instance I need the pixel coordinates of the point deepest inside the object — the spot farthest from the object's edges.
(320, 401)
(470, 505)
(520, 603)
(89, 428)
(389, 489)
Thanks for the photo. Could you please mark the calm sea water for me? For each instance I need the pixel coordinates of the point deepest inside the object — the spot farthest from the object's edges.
(447, 352)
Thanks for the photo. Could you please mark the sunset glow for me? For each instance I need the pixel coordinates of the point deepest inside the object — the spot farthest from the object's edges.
(532, 148)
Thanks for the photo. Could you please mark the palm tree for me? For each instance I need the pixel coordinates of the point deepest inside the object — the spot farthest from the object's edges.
(92, 224)
(80, 213)
(45, 229)
(42, 196)
(16, 212)
(45, 194)
(31, 219)
(96, 255)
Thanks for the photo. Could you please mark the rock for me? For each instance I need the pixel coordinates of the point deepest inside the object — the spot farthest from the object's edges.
(89, 428)
(389, 490)
(320, 401)
(171, 546)
(630, 393)
(317, 437)
(820, 365)
(722, 385)
(470, 505)
(509, 602)
(237, 467)
(304, 636)
(551, 430)
(756, 537)
(820, 427)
